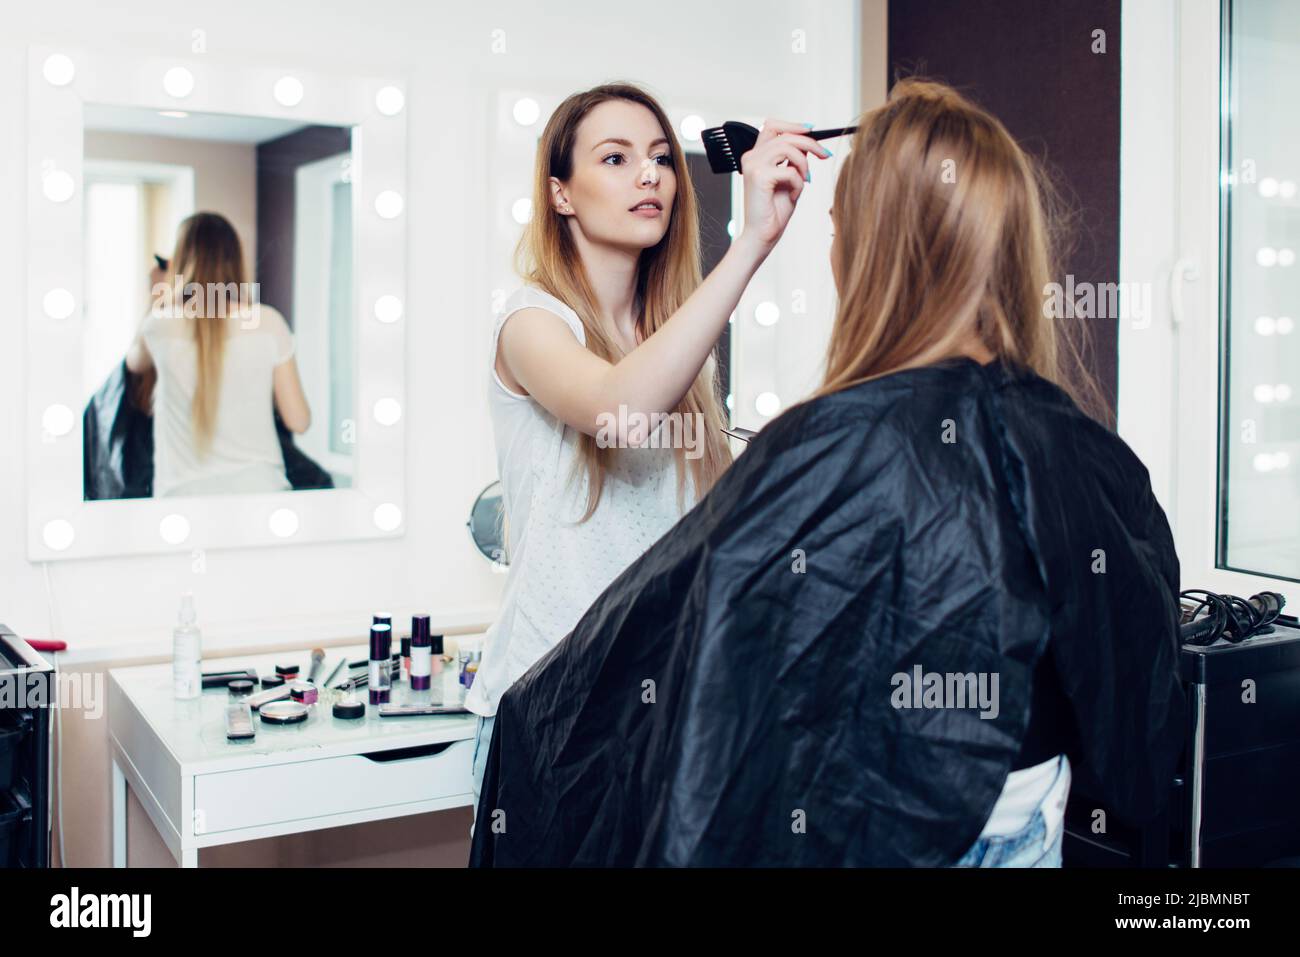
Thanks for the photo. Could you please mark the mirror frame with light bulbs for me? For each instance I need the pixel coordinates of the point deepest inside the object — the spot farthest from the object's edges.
(60, 523)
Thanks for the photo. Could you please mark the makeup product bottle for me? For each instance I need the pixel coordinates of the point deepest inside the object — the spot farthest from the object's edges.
(380, 678)
(187, 678)
(471, 652)
(406, 658)
(435, 655)
(421, 653)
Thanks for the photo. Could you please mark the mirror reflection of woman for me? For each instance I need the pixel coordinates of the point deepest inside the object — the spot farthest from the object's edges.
(613, 322)
(221, 358)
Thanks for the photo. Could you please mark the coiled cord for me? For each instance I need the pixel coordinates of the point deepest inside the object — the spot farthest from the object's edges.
(1227, 616)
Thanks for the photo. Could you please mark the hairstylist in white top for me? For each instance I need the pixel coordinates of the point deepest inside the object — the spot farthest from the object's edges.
(613, 318)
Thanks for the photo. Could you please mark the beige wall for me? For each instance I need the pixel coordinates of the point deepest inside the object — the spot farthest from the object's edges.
(873, 53)
(225, 174)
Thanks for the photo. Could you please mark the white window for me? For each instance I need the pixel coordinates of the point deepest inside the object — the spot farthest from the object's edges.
(1210, 217)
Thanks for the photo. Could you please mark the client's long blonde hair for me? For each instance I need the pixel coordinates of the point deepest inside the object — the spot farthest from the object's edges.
(942, 228)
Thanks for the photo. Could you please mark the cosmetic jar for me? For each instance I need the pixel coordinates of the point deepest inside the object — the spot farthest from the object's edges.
(284, 712)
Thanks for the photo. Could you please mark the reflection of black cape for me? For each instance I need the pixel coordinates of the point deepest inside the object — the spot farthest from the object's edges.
(117, 446)
(718, 706)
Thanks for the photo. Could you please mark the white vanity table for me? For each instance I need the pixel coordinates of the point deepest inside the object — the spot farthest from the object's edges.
(201, 790)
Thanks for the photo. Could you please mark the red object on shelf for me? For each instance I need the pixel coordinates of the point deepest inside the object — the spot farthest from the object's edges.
(47, 644)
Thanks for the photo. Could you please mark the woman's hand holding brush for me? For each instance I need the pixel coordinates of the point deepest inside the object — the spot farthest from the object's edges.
(775, 172)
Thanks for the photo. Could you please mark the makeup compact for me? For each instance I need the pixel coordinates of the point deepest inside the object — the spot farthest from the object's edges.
(284, 712)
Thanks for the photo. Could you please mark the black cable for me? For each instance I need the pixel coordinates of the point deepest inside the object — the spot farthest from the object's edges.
(1229, 617)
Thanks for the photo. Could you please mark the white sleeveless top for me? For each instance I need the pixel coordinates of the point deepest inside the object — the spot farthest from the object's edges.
(558, 568)
(245, 453)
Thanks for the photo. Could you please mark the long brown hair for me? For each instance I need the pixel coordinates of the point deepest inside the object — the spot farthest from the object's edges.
(943, 227)
(667, 274)
(208, 267)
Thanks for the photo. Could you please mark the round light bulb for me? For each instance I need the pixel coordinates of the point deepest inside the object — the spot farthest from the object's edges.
(58, 185)
(283, 522)
(57, 420)
(174, 529)
(288, 91)
(58, 303)
(178, 82)
(691, 126)
(766, 313)
(388, 411)
(526, 111)
(58, 534)
(389, 101)
(387, 517)
(388, 204)
(59, 69)
(388, 309)
(767, 403)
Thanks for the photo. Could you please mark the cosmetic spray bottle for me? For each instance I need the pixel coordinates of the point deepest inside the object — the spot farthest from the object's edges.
(187, 679)
(381, 640)
(421, 653)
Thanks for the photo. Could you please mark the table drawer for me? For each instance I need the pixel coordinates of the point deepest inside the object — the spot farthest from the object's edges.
(276, 794)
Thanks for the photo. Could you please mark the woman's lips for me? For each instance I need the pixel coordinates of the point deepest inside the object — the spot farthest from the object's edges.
(647, 212)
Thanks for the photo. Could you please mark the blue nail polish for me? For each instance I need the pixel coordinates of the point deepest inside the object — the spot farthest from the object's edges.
(828, 151)
(807, 177)
(809, 125)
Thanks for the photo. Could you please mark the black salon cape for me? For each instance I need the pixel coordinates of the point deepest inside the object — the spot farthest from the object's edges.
(727, 700)
(117, 445)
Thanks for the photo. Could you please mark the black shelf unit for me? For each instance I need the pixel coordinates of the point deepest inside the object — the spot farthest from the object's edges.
(27, 699)
(1233, 802)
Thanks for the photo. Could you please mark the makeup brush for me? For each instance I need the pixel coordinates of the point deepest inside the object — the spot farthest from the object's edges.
(726, 144)
(317, 663)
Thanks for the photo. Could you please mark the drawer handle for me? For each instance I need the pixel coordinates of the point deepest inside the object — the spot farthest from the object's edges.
(403, 754)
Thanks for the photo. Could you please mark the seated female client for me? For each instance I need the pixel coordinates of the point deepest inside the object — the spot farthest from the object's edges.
(917, 605)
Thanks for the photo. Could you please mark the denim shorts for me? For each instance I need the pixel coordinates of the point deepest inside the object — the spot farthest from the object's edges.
(1024, 848)
(482, 741)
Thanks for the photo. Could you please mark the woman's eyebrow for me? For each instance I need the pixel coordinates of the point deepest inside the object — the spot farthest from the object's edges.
(628, 143)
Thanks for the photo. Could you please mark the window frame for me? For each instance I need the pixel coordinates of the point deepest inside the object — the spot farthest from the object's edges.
(1165, 410)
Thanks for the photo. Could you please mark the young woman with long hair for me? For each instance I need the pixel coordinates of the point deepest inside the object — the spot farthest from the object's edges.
(221, 358)
(612, 327)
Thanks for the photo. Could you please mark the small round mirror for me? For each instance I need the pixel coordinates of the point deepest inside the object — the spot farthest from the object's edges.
(487, 521)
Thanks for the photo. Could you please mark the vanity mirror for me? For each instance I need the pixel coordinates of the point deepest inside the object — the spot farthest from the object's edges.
(215, 308)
